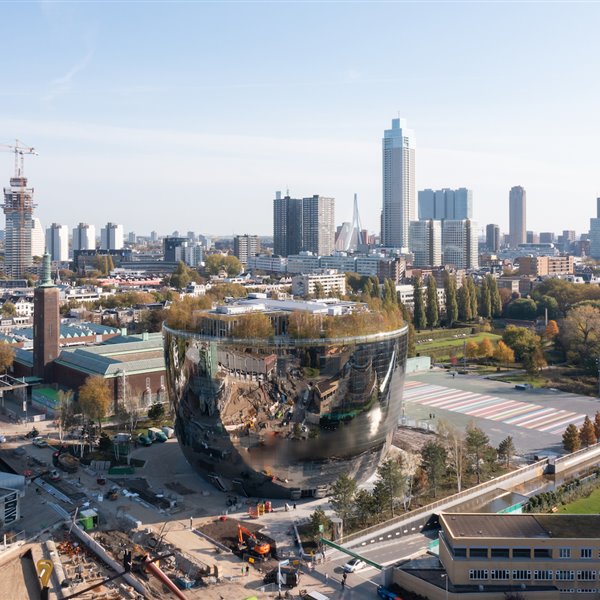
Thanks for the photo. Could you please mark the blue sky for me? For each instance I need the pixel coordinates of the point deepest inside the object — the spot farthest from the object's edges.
(190, 115)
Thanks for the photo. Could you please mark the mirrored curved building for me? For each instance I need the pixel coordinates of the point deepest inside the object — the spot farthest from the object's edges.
(283, 415)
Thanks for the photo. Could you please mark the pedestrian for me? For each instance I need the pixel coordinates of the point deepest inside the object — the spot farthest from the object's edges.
(243, 570)
(326, 578)
(247, 570)
(343, 584)
(294, 506)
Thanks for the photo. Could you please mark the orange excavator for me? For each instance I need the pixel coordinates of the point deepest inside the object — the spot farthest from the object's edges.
(247, 538)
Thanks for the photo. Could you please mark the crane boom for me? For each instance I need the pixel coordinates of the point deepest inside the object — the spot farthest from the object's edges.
(19, 151)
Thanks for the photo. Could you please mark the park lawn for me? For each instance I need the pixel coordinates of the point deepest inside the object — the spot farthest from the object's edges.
(536, 382)
(583, 506)
(455, 342)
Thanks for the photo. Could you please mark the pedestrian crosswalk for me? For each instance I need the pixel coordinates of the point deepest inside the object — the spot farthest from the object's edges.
(511, 412)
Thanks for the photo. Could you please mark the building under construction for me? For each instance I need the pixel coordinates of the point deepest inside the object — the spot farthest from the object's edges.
(18, 207)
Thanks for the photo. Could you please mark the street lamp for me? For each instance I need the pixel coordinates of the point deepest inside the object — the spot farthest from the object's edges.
(445, 578)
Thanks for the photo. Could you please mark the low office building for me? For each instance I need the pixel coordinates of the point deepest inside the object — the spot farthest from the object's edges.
(546, 266)
(328, 282)
(484, 556)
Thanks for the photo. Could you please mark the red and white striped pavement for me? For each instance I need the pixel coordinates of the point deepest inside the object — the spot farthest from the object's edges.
(511, 412)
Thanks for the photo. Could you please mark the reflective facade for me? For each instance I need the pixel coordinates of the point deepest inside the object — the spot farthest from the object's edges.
(284, 418)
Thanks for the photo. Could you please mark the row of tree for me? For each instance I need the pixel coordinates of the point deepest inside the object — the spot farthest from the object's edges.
(588, 434)
(444, 461)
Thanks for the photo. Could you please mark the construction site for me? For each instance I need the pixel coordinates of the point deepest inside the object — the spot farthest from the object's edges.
(88, 534)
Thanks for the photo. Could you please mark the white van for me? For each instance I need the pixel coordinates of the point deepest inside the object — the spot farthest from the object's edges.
(315, 596)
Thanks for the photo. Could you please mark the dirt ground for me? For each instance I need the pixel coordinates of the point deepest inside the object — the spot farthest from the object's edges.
(412, 440)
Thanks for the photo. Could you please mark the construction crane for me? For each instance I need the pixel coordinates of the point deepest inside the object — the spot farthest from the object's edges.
(19, 151)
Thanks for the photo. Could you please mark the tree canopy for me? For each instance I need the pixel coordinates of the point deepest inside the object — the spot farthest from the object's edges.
(214, 263)
(95, 398)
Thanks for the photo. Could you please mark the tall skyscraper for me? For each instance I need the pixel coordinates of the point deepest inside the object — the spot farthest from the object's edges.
(287, 225)
(595, 232)
(18, 207)
(303, 224)
(84, 237)
(459, 244)
(38, 239)
(517, 207)
(111, 237)
(318, 225)
(57, 242)
(46, 324)
(153, 236)
(492, 237)
(446, 204)
(533, 237)
(399, 194)
(426, 243)
(245, 246)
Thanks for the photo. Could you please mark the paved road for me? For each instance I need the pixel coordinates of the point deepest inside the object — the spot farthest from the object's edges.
(534, 418)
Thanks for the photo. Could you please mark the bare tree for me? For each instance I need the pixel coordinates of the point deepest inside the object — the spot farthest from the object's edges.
(454, 441)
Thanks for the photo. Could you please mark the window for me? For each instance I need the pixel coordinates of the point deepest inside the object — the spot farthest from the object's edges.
(542, 575)
(479, 552)
(586, 575)
(565, 575)
(542, 553)
(521, 575)
(586, 553)
(478, 574)
(460, 552)
(500, 553)
(564, 552)
(521, 553)
(499, 574)
(586, 591)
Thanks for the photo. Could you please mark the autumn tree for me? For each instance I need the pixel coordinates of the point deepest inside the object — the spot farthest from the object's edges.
(419, 314)
(304, 325)
(485, 348)
(470, 284)
(7, 356)
(214, 263)
(503, 354)
(451, 303)
(597, 425)
(506, 450)
(434, 456)
(253, 326)
(551, 330)
(476, 442)
(433, 309)
(526, 346)
(580, 335)
(9, 309)
(571, 440)
(587, 433)
(95, 398)
(471, 350)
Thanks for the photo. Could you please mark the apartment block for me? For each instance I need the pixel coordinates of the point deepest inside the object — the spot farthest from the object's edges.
(546, 266)
(330, 281)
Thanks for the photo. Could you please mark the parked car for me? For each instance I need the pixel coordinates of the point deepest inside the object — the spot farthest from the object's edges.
(19, 451)
(144, 440)
(354, 565)
(386, 594)
(2, 439)
(40, 442)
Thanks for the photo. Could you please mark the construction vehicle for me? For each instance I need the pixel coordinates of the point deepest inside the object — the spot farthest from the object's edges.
(249, 541)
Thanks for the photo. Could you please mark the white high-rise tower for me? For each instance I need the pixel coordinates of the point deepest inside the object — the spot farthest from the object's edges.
(399, 194)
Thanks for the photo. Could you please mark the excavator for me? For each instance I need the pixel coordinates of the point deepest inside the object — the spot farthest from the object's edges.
(248, 539)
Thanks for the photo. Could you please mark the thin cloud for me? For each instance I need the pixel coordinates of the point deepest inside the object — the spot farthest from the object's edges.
(64, 84)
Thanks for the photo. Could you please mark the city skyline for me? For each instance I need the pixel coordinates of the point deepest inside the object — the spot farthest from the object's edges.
(101, 109)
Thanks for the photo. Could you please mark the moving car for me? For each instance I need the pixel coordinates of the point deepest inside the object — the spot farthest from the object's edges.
(354, 565)
(2, 439)
(54, 475)
(40, 442)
